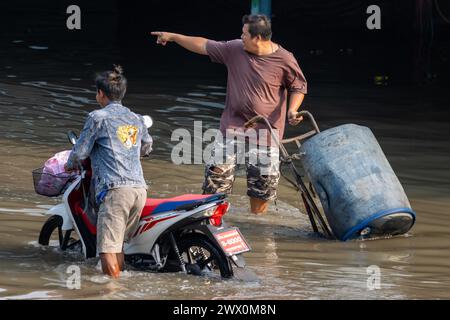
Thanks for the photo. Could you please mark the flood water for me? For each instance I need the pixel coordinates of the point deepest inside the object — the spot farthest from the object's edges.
(42, 97)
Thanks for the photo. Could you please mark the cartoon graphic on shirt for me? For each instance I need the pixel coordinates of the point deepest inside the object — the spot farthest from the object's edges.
(127, 135)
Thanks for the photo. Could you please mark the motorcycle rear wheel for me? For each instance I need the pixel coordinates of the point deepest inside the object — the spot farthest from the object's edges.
(202, 257)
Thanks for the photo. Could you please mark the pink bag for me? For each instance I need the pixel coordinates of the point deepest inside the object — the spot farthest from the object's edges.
(55, 164)
(51, 179)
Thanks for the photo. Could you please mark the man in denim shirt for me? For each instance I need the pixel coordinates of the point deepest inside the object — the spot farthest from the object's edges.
(114, 138)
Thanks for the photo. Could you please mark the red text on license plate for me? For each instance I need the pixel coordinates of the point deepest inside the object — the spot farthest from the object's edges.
(232, 242)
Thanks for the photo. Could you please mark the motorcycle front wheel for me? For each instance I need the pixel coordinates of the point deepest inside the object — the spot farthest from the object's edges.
(52, 232)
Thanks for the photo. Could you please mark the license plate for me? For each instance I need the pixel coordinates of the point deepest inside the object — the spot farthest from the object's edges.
(232, 241)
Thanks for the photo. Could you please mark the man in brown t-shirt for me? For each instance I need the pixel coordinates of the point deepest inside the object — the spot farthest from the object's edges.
(260, 75)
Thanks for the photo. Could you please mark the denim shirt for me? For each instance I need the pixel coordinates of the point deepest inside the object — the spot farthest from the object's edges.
(114, 138)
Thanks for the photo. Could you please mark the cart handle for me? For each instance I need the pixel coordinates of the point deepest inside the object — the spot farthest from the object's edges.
(310, 118)
(307, 135)
(254, 120)
(306, 113)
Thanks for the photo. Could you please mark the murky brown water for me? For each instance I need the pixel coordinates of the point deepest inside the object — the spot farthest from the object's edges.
(290, 261)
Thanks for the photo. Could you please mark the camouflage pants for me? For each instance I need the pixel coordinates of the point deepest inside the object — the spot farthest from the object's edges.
(262, 166)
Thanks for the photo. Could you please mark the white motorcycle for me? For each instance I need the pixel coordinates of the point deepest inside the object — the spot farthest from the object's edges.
(184, 233)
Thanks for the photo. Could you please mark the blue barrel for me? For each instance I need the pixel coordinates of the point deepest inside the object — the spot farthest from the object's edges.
(360, 193)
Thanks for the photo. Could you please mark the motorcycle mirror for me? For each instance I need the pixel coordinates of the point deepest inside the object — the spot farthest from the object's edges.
(148, 121)
(72, 136)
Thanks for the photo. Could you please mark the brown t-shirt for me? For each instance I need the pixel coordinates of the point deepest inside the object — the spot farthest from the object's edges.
(257, 85)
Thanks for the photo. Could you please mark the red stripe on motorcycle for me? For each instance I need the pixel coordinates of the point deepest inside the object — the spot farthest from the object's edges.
(151, 224)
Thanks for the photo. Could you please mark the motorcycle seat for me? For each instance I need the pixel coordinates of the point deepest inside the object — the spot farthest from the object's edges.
(183, 202)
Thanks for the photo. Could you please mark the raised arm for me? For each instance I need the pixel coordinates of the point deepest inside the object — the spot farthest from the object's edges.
(194, 44)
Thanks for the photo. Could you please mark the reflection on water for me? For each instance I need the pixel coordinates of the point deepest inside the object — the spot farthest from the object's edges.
(36, 295)
(40, 210)
(291, 262)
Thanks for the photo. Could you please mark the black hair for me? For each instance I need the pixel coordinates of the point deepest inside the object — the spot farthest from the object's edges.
(258, 25)
(112, 83)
